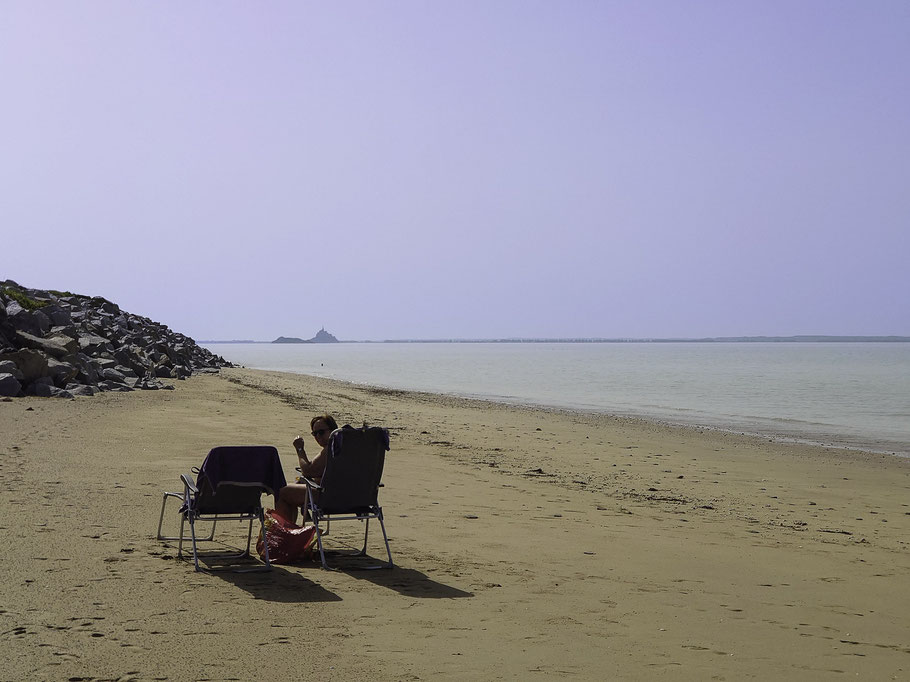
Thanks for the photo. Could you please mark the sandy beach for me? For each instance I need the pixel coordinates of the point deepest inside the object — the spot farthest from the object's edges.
(528, 544)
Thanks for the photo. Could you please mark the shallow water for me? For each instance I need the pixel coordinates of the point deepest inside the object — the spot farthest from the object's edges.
(843, 394)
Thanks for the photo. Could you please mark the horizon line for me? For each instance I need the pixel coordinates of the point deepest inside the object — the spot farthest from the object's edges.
(831, 338)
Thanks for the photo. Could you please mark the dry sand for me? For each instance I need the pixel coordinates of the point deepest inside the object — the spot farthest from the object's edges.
(528, 543)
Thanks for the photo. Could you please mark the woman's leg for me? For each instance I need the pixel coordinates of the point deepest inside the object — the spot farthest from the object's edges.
(290, 498)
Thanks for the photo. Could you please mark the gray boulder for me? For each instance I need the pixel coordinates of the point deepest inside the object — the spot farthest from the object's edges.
(113, 386)
(102, 305)
(9, 385)
(9, 367)
(153, 385)
(126, 371)
(41, 387)
(32, 363)
(70, 330)
(57, 315)
(164, 372)
(47, 346)
(104, 363)
(92, 343)
(131, 356)
(88, 373)
(61, 372)
(112, 374)
(82, 389)
(67, 342)
(44, 322)
(26, 320)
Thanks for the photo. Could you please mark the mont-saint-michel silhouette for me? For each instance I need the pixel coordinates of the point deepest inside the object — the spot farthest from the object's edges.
(322, 336)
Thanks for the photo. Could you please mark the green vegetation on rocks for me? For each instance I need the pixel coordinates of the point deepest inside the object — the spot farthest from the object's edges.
(23, 300)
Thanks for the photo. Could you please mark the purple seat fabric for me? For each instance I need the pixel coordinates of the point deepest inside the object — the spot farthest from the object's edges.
(243, 465)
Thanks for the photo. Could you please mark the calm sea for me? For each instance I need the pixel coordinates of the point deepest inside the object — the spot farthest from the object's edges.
(843, 394)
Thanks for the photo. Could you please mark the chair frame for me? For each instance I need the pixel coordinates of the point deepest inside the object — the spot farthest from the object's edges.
(318, 515)
(190, 514)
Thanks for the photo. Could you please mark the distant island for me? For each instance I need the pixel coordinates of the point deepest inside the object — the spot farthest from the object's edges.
(322, 336)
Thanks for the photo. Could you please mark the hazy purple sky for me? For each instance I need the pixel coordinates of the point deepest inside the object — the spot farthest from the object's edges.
(463, 169)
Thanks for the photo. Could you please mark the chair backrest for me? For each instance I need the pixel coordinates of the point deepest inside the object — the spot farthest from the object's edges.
(228, 498)
(353, 472)
(233, 478)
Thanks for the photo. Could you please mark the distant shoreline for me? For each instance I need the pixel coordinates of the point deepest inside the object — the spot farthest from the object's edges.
(716, 339)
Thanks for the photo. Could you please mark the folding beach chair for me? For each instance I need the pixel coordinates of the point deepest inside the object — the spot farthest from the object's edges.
(349, 488)
(229, 486)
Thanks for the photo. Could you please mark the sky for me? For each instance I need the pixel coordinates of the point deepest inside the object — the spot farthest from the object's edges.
(469, 169)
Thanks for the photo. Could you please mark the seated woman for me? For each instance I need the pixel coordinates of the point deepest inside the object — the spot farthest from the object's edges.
(294, 495)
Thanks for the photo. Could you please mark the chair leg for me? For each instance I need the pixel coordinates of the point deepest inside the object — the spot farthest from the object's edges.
(366, 532)
(316, 519)
(161, 518)
(193, 534)
(321, 550)
(183, 519)
(212, 534)
(161, 536)
(249, 538)
(385, 537)
(180, 538)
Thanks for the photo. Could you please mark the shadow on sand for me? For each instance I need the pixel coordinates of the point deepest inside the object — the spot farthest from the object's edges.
(290, 586)
(278, 585)
(406, 581)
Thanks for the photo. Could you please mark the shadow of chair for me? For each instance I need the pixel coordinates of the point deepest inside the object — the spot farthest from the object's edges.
(409, 582)
(281, 585)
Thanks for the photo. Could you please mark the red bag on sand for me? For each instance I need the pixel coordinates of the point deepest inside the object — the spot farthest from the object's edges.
(288, 542)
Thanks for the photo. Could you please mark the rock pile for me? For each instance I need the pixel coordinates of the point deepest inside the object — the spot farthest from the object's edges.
(60, 344)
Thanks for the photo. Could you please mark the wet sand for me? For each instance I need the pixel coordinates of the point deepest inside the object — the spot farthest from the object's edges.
(527, 543)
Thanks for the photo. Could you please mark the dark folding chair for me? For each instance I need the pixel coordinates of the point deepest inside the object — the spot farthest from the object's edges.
(349, 488)
(229, 486)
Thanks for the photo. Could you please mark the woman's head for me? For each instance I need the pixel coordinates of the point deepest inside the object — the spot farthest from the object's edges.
(321, 427)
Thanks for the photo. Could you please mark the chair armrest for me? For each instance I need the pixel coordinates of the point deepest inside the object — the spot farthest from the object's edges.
(311, 483)
(188, 484)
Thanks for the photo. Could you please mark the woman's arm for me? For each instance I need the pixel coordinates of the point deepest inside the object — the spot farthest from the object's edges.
(316, 468)
(302, 460)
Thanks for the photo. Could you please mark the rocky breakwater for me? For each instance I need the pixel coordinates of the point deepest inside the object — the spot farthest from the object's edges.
(58, 344)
